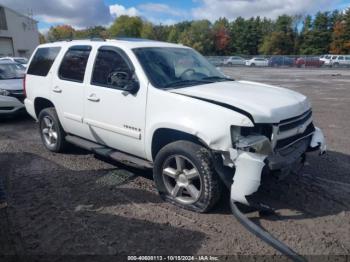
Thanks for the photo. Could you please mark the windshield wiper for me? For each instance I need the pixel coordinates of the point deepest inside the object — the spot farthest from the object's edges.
(218, 78)
(183, 83)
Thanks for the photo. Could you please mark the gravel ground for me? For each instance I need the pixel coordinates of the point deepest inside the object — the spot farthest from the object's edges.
(75, 204)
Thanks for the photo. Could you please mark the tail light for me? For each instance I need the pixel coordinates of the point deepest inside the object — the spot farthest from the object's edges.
(24, 86)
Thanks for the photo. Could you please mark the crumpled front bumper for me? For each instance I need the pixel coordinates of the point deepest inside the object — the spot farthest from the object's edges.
(249, 166)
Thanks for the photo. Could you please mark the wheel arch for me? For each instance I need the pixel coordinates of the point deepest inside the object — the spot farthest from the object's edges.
(163, 136)
(41, 103)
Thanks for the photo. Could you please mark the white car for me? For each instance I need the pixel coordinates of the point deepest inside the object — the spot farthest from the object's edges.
(164, 106)
(20, 60)
(340, 60)
(326, 59)
(257, 61)
(11, 89)
(234, 61)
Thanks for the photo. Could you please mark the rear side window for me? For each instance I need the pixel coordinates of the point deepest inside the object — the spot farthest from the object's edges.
(43, 60)
(74, 63)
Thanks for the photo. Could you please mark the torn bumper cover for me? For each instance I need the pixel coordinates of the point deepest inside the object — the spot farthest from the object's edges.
(249, 163)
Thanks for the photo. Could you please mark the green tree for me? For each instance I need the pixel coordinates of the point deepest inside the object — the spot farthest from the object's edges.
(60, 32)
(282, 40)
(92, 32)
(42, 39)
(126, 26)
(199, 36)
(147, 30)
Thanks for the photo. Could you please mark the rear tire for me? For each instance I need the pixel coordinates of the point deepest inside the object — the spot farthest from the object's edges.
(51, 131)
(184, 175)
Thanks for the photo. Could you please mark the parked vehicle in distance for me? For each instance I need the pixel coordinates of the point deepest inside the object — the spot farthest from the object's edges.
(11, 89)
(340, 61)
(164, 106)
(216, 61)
(281, 61)
(308, 61)
(234, 61)
(257, 61)
(326, 59)
(20, 60)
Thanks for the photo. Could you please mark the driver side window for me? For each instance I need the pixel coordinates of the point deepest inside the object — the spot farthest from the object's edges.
(111, 70)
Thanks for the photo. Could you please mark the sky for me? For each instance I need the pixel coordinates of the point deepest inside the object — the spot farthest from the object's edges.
(85, 13)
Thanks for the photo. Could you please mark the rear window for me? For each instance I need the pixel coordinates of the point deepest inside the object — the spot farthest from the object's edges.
(43, 60)
(74, 63)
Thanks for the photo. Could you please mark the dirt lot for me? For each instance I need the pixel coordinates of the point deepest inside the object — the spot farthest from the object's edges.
(75, 204)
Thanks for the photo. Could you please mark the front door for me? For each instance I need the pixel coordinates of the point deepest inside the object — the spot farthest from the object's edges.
(115, 117)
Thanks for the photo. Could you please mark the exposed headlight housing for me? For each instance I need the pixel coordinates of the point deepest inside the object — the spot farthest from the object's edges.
(4, 92)
(252, 139)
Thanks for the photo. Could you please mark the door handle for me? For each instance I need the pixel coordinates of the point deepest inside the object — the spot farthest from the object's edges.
(93, 98)
(56, 89)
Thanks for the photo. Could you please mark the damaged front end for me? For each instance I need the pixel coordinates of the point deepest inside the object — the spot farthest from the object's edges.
(280, 148)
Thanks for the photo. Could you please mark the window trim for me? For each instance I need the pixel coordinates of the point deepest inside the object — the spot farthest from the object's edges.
(75, 48)
(119, 51)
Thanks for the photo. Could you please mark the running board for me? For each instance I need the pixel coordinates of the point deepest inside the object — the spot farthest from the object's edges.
(105, 151)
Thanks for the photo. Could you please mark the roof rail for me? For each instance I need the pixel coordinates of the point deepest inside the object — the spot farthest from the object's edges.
(134, 39)
(78, 39)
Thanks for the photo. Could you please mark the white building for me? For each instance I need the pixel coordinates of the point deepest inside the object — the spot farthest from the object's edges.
(18, 33)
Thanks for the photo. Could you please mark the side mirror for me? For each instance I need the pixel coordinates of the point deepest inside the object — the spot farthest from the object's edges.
(133, 85)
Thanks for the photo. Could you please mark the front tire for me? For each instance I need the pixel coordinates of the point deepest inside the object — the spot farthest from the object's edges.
(51, 131)
(184, 175)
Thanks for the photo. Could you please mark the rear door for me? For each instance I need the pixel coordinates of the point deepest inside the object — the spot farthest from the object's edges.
(115, 117)
(68, 89)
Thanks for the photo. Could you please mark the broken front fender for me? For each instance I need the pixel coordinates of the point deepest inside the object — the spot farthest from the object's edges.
(247, 177)
(318, 141)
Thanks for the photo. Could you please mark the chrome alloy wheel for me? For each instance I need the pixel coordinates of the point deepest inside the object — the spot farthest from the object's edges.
(49, 131)
(181, 179)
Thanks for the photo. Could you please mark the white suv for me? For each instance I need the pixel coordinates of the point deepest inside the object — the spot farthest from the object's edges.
(161, 105)
(340, 60)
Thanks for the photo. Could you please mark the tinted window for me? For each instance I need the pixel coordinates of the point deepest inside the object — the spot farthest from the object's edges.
(340, 57)
(74, 63)
(110, 69)
(347, 58)
(43, 60)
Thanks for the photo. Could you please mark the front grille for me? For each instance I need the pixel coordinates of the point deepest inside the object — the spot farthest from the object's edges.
(292, 130)
(290, 124)
(289, 140)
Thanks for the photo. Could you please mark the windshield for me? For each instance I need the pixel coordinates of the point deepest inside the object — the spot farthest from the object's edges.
(10, 71)
(21, 60)
(168, 67)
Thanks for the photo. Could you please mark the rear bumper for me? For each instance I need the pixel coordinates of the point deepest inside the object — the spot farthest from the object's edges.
(249, 166)
(10, 106)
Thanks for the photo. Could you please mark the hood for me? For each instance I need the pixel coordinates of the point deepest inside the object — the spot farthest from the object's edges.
(265, 103)
(11, 84)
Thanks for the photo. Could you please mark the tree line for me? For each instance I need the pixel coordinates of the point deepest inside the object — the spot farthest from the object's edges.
(326, 32)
